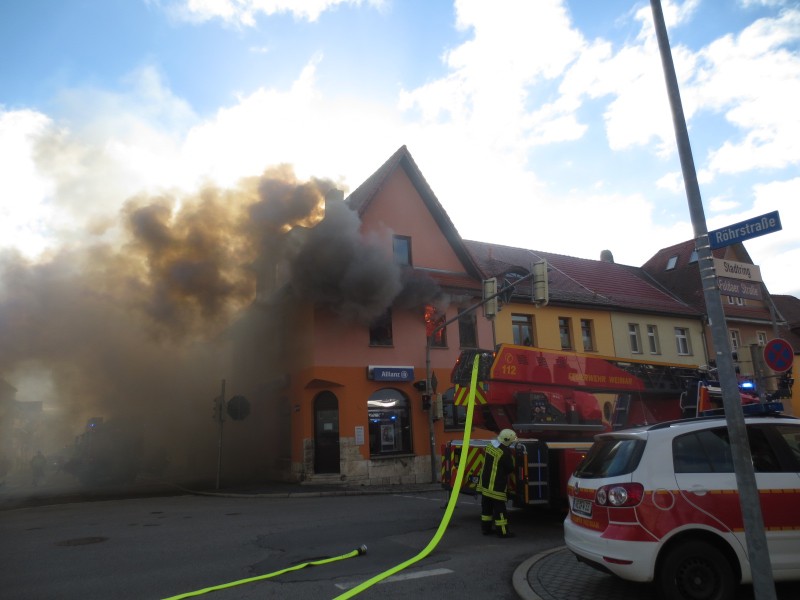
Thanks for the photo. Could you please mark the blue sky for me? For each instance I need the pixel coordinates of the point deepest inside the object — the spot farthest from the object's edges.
(540, 124)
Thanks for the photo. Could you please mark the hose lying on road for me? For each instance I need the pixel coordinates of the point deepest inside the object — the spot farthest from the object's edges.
(451, 504)
(322, 561)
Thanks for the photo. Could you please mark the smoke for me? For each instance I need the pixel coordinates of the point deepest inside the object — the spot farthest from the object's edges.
(142, 329)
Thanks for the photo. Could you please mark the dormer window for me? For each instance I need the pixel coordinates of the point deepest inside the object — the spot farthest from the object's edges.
(673, 260)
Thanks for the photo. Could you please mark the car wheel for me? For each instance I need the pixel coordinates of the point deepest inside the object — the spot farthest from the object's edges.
(696, 570)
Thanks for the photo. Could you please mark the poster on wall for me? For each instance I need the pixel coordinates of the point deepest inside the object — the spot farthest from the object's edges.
(387, 437)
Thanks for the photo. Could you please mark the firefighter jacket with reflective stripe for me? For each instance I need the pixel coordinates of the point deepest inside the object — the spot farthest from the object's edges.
(498, 464)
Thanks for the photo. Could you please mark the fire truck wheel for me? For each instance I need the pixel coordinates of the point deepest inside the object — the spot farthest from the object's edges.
(696, 570)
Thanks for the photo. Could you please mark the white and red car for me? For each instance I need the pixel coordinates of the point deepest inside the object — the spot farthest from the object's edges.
(660, 503)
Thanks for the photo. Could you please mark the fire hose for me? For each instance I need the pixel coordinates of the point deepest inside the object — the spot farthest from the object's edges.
(322, 561)
(451, 504)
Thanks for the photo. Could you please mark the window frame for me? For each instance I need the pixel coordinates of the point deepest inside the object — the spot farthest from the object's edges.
(520, 322)
(653, 343)
(565, 333)
(587, 332)
(683, 333)
(382, 322)
(401, 250)
(379, 434)
(635, 338)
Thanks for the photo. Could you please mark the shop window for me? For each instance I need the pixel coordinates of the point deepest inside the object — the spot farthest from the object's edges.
(389, 423)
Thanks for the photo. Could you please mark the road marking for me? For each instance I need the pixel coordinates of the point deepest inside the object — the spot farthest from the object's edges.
(404, 577)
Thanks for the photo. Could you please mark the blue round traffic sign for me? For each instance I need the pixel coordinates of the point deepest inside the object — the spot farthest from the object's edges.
(778, 355)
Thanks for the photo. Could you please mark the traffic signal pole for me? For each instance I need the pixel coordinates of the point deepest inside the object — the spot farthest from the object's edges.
(763, 582)
(428, 385)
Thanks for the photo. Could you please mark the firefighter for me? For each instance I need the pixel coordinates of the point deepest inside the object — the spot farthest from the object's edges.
(498, 464)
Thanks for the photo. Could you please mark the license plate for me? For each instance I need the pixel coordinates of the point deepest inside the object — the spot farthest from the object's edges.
(582, 507)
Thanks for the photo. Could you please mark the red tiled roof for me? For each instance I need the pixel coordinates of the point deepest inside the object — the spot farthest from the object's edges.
(684, 279)
(582, 281)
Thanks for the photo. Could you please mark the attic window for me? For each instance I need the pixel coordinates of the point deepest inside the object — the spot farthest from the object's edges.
(693, 257)
(401, 246)
(673, 260)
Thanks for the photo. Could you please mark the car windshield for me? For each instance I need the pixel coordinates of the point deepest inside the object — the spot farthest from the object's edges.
(610, 458)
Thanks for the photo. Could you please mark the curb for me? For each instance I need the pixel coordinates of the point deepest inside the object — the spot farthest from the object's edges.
(520, 578)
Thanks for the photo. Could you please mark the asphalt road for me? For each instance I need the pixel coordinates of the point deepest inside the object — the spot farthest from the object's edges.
(160, 547)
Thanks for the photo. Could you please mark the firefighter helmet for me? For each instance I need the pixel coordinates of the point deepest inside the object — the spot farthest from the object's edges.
(507, 437)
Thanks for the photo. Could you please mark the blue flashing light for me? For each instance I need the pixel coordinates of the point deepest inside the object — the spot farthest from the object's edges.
(747, 385)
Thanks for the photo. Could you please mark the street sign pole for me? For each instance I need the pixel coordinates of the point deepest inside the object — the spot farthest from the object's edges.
(763, 582)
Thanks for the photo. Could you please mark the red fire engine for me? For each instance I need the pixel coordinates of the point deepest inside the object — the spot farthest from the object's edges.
(557, 401)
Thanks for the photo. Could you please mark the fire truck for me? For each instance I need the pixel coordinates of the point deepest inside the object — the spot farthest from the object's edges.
(557, 401)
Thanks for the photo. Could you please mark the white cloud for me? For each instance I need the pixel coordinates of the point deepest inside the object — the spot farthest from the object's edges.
(755, 79)
(245, 12)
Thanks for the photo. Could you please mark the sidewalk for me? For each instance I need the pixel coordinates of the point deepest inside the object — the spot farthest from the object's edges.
(557, 575)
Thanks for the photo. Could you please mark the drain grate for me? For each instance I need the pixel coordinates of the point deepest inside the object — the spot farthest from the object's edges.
(82, 541)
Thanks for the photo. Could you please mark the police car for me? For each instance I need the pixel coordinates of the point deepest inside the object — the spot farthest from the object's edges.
(660, 503)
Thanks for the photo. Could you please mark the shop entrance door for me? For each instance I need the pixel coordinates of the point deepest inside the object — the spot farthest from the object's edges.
(326, 433)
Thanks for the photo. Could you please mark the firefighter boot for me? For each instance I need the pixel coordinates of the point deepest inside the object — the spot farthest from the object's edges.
(501, 526)
(486, 524)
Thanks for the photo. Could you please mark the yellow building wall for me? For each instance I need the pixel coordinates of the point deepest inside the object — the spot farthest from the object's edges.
(545, 325)
(668, 348)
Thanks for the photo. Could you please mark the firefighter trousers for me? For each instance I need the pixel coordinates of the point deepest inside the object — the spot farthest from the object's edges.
(493, 514)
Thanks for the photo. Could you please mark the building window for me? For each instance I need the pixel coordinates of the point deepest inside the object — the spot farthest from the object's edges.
(736, 339)
(652, 339)
(401, 246)
(762, 338)
(522, 330)
(693, 257)
(683, 341)
(635, 338)
(468, 330)
(433, 320)
(565, 332)
(587, 335)
(454, 416)
(389, 423)
(380, 332)
(673, 260)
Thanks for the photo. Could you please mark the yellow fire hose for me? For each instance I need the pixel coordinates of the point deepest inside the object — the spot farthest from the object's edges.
(451, 504)
(323, 561)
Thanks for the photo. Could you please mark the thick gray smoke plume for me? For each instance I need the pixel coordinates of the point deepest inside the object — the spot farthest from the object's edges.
(144, 331)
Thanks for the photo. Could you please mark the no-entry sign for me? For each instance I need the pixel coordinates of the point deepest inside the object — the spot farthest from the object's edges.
(778, 355)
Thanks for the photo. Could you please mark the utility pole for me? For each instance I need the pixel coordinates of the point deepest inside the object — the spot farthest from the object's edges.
(428, 383)
(220, 419)
(758, 554)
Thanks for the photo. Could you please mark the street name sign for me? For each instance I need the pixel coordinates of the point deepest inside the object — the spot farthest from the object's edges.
(737, 270)
(745, 230)
(739, 289)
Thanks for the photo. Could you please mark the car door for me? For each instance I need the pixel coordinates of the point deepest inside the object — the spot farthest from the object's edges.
(775, 449)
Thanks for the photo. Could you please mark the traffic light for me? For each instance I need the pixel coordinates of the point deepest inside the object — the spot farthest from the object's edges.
(426, 401)
(490, 306)
(541, 292)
